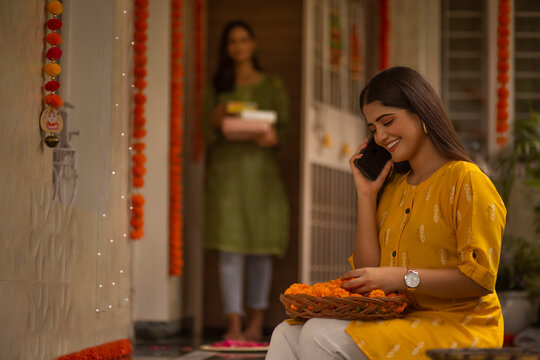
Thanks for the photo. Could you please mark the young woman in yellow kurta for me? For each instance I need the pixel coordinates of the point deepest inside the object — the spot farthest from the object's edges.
(430, 226)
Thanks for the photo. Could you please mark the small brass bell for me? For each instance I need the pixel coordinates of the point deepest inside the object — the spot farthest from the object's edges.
(51, 141)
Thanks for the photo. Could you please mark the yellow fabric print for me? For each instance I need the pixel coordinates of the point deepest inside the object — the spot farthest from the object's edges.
(382, 219)
(428, 193)
(417, 348)
(421, 234)
(468, 222)
(387, 236)
(452, 194)
(492, 211)
(443, 256)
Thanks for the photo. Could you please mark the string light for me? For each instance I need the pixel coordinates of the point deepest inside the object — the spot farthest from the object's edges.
(124, 83)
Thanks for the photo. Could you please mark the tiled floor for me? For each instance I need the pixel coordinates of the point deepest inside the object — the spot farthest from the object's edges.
(184, 348)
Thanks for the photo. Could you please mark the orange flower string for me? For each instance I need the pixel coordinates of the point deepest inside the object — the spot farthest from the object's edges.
(176, 260)
(503, 67)
(50, 120)
(113, 350)
(139, 120)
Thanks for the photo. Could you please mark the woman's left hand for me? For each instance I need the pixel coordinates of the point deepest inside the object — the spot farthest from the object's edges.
(386, 278)
(267, 139)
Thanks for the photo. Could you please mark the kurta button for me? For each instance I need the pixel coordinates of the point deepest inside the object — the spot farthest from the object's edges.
(407, 211)
(474, 255)
(394, 253)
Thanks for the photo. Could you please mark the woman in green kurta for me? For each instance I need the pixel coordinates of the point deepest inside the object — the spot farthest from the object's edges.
(246, 210)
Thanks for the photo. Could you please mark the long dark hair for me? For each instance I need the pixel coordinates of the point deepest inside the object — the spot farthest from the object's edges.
(404, 88)
(224, 77)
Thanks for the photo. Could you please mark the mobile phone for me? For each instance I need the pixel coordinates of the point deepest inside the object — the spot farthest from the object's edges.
(374, 159)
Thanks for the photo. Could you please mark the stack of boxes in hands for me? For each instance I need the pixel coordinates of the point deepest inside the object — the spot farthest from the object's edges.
(244, 121)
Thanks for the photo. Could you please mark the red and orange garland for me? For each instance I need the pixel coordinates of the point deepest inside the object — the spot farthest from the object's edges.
(50, 120)
(199, 78)
(503, 67)
(384, 32)
(114, 350)
(139, 119)
(176, 261)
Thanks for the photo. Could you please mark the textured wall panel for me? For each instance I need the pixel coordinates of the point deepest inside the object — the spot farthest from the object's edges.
(49, 268)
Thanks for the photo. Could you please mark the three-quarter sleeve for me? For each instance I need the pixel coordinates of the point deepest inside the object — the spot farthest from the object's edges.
(281, 101)
(480, 219)
(209, 133)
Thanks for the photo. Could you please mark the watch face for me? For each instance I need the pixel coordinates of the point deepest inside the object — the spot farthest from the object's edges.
(412, 279)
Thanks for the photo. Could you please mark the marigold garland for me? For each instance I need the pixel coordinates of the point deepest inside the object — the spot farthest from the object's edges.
(503, 67)
(139, 120)
(113, 350)
(199, 78)
(176, 261)
(384, 32)
(53, 53)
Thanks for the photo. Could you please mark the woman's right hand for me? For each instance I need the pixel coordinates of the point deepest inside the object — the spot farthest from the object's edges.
(217, 116)
(364, 186)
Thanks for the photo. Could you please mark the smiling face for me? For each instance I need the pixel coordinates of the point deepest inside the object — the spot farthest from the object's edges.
(397, 130)
(241, 45)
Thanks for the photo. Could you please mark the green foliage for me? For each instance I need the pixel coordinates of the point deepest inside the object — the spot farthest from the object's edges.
(519, 268)
(521, 158)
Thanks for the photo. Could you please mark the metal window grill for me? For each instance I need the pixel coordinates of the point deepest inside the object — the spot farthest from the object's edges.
(526, 57)
(464, 70)
(333, 222)
(338, 86)
(332, 87)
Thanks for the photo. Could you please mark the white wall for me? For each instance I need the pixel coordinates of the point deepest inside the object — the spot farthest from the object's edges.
(156, 294)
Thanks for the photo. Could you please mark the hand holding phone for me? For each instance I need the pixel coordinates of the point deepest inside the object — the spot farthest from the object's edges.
(373, 160)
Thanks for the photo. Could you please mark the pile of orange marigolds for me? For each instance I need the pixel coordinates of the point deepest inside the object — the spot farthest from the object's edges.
(333, 288)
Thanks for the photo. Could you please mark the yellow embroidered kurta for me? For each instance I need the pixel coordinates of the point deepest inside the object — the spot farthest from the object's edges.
(454, 219)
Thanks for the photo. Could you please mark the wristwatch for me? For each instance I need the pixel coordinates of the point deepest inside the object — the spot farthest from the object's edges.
(412, 279)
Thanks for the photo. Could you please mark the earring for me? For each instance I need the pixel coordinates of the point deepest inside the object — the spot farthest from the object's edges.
(425, 128)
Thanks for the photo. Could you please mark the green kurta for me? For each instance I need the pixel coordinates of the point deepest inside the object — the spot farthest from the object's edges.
(246, 209)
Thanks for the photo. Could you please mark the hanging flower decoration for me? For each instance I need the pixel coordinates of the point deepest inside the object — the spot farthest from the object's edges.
(503, 67)
(384, 32)
(199, 78)
(113, 350)
(50, 119)
(355, 56)
(335, 40)
(175, 156)
(139, 119)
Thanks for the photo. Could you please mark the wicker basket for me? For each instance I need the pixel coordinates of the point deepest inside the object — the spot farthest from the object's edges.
(484, 354)
(347, 308)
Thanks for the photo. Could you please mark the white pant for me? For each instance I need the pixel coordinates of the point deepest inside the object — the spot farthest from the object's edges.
(317, 339)
(259, 279)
